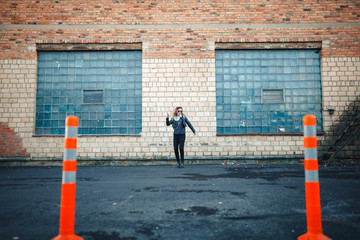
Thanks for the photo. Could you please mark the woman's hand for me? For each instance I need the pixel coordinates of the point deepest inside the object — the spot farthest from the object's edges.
(167, 115)
(194, 133)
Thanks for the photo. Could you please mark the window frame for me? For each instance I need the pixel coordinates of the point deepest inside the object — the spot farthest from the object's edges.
(273, 90)
(93, 90)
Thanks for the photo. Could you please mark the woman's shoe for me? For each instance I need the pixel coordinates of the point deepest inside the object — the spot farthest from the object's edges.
(178, 164)
(182, 165)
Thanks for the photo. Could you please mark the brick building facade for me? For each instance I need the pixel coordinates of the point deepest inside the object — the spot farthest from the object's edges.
(181, 53)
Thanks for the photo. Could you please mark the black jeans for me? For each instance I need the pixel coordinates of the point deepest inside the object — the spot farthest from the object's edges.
(179, 141)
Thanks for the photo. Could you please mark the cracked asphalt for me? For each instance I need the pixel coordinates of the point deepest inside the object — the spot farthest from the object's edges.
(164, 202)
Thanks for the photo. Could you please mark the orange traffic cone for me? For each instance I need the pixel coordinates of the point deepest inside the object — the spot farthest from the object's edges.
(68, 187)
(312, 187)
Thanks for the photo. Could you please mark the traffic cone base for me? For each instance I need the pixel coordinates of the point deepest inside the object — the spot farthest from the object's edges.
(309, 236)
(68, 237)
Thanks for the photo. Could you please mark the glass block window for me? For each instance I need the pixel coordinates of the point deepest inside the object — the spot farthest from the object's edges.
(102, 88)
(267, 91)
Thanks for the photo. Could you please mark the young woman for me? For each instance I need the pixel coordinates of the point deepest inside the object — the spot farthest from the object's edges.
(179, 122)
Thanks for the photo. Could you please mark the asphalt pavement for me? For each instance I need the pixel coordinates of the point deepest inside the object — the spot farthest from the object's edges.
(164, 202)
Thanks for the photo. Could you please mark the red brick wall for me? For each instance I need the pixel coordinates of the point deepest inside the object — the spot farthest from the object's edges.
(170, 26)
(175, 43)
(10, 143)
(175, 11)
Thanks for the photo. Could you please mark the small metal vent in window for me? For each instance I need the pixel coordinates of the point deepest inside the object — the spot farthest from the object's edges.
(93, 96)
(271, 96)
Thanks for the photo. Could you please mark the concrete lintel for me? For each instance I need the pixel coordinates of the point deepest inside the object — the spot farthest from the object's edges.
(268, 45)
(88, 46)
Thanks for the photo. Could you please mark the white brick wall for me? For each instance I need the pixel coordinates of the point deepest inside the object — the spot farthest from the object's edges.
(340, 85)
(18, 96)
(168, 83)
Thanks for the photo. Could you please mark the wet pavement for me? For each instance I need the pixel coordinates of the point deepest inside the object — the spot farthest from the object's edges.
(164, 202)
